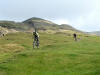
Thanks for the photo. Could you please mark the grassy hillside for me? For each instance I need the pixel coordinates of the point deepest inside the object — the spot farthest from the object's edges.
(58, 54)
(14, 25)
(43, 24)
(39, 23)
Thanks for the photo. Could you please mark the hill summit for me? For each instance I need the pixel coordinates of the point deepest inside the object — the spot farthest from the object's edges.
(40, 24)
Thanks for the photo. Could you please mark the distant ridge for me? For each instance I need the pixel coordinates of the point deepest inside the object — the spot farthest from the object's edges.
(40, 24)
(95, 33)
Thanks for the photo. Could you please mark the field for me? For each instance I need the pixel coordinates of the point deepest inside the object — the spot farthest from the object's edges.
(58, 54)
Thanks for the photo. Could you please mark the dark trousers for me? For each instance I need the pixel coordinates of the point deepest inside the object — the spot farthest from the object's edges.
(36, 43)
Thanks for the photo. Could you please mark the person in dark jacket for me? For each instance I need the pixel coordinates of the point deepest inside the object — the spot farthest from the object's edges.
(75, 36)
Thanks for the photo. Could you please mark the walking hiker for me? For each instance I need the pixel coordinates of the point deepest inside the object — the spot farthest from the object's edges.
(36, 39)
(75, 36)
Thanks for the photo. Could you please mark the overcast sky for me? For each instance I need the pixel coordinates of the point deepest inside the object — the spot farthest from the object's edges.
(81, 14)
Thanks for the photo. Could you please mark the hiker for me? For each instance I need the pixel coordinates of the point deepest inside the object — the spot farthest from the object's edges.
(36, 39)
(75, 36)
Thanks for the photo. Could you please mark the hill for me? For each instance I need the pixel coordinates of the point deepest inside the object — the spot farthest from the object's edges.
(13, 25)
(95, 33)
(68, 27)
(40, 24)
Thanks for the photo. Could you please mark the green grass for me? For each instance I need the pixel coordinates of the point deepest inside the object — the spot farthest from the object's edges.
(58, 55)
